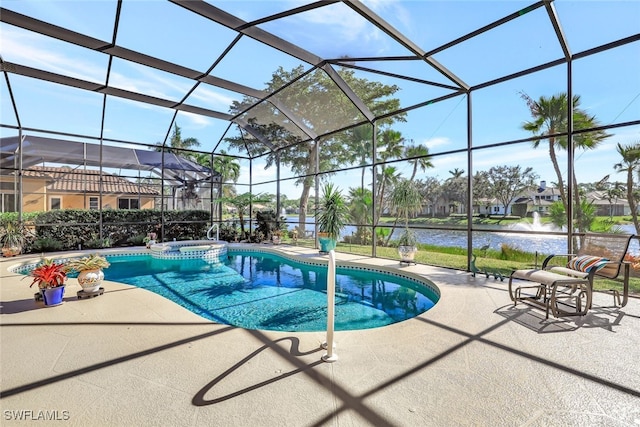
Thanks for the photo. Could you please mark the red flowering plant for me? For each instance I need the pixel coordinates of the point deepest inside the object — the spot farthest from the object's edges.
(49, 275)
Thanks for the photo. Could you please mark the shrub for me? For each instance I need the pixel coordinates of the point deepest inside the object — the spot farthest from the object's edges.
(137, 240)
(46, 244)
(97, 243)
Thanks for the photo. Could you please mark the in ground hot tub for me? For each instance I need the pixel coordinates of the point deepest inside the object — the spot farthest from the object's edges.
(185, 249)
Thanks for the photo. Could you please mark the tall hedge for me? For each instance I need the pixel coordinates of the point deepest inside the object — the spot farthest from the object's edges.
(73, 227)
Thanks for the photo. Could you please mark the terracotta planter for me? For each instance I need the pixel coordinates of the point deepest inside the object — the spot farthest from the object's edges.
(90, 280)
(9, 251)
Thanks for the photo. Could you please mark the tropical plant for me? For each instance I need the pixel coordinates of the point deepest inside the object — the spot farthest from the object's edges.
(91, 262)
(407, 200)
(407, 238)
(454, 189)
(227, 166)
(360, 209)
(550, 123)
(46, 244)
(418, 157)
(96, 242)
(242, 202)
(12, 235)
(630, 164)
(362, 153)
(386, 178)
(333, 212)
(177, 143)
(48, 274)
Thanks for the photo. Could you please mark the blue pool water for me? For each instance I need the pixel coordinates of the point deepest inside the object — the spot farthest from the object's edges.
(264, 291)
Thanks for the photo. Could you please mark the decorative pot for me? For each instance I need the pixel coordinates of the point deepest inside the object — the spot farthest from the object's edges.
(326, 243)
(407, 253)
(53, 296)
(9, 251)
(90, 280)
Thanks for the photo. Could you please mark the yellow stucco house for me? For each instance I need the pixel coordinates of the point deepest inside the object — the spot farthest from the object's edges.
(47, 188)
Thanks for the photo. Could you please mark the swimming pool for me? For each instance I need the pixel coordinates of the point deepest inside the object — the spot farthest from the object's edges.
(261, 290)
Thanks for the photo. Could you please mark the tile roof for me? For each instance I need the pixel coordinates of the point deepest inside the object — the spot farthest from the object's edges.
(65, 179)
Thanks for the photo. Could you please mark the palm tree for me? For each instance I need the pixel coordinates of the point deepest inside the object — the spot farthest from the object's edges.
(242, 202)
(391, 147)
(630, 164)
(227, 166)
(612, 194)
(360, 208)
(386, 178)
(362, 147)
(456, 173)
(418, 156)
(407, 200)
(176, 143)
(391, 143)
(550, 117)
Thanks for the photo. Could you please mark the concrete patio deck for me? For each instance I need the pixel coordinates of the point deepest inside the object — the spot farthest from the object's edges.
(133, 358)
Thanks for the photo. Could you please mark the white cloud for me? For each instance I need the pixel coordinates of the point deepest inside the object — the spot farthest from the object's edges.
(439, 141)
(38, 51)
(213, 99)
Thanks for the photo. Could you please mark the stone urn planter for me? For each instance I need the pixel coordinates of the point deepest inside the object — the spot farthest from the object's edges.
(90, 274)
(407, 253)
(407, 246)
(91, 280)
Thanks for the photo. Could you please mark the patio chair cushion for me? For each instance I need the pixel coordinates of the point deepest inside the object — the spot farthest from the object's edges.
(587, 262)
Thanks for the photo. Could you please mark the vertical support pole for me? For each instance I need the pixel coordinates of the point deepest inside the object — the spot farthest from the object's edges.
(329, 345)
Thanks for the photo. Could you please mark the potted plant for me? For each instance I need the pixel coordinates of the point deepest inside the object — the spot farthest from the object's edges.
(89, 268)
(50, 278)
(276, 238)
(406, 199)
(407, 245)
(12, 239)
(150, 239)
(331, 217)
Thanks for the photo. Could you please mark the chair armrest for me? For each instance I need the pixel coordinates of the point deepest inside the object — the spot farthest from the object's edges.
(550, 257)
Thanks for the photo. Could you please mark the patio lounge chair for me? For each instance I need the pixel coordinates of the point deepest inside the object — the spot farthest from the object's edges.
(566, 290)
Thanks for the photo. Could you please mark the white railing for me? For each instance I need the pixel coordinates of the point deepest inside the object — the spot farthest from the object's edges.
(217, 227)
(330, 355)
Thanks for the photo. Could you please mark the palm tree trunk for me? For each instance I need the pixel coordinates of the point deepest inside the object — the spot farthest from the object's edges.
(380, 197)
(386, 243)
(578, 207)
(554, 161)
(304, 203)
(632, 200)
(306, 187)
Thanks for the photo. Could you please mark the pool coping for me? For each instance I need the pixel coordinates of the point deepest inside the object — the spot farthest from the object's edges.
(285, 251)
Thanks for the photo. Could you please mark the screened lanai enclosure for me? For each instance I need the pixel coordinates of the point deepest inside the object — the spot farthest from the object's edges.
(517, 122)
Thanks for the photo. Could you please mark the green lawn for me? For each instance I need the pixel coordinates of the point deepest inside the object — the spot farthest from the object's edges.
(431, 256)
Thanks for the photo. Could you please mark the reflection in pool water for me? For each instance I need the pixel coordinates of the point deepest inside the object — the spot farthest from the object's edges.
(264, 291)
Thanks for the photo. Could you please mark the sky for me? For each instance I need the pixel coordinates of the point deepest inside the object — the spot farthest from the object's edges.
(608, 83)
